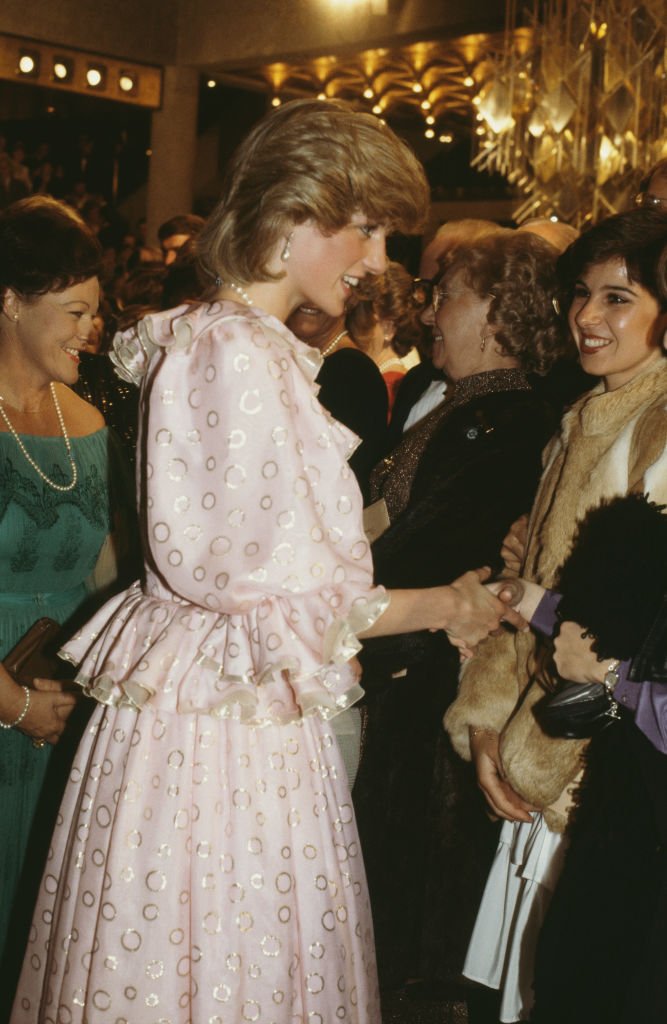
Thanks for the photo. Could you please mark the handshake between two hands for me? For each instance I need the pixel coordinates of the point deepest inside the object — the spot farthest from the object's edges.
(508, 603)
(519, 594)
(482, 608)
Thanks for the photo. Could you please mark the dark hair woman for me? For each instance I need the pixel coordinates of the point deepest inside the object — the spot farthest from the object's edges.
(56, 461)
(612, 442)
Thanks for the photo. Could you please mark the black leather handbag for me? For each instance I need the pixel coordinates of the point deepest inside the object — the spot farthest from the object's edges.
(613, 584)
(577, 711)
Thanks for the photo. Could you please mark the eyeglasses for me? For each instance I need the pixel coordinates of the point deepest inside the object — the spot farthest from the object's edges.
(646, 201)
(425, 293)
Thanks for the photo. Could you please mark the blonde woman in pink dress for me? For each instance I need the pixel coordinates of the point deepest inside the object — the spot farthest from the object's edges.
(206, 866)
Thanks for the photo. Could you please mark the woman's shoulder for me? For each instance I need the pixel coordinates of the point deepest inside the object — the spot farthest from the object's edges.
(506, 411)
(81, 418)
(250, 333)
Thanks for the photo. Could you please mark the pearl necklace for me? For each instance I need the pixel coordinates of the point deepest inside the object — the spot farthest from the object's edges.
(238, 290)
(332, 344)
(28, 456)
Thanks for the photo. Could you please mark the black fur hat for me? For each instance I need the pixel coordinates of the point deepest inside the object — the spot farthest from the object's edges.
(615, 577)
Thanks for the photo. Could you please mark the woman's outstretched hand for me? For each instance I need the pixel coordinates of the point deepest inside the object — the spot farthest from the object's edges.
(465, 609)
(476, 611)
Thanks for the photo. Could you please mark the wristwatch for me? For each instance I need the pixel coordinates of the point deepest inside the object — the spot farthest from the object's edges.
(611, 676)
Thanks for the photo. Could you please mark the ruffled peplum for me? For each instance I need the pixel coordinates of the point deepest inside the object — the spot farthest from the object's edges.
(272, 665)
(258, 574)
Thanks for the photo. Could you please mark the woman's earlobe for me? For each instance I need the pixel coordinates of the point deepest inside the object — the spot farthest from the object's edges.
(388, 330)
(9, 305)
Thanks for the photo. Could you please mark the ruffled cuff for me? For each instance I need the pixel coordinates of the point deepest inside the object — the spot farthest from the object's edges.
(341, 640)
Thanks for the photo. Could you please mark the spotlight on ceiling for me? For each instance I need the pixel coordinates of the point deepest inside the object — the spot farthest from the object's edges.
(127, 81)
(62, 70)
(96, 76)
(28, 64)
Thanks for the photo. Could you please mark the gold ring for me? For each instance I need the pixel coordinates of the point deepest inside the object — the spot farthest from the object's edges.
(38, 744)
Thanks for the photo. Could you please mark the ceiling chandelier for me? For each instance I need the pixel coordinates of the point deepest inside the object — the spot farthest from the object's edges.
(574, 117)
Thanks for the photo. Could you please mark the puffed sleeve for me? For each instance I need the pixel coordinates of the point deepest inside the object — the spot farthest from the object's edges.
(258, 572)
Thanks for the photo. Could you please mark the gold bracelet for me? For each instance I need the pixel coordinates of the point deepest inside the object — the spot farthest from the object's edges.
(476, 730)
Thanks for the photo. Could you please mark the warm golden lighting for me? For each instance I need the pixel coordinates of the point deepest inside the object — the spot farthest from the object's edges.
(445, 138)
(468, 81)
(430, 119)
(368, 93)
(29, 63)
(577, 162)
(276, 101)
(95, 76)
(377, 109)
(425, 104)
(211, 83)
(429, 133)
(59, 67)
(495, 106)
(417, 87)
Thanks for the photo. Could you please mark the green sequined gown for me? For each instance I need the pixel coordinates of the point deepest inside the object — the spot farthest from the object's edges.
(49, 544)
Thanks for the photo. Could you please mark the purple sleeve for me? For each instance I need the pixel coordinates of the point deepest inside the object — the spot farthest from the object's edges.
(648, 701)
(544, 619)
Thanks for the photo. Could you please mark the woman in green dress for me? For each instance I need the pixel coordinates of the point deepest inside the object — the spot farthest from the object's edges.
(58, 467)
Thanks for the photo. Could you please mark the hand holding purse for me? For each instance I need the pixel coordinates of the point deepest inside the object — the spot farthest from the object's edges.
(35, 655)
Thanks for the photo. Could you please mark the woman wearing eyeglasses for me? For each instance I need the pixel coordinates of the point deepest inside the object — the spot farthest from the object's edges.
(451, 488)
(652, 193)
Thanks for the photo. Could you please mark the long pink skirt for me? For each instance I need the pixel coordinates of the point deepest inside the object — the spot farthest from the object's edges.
(202, 872)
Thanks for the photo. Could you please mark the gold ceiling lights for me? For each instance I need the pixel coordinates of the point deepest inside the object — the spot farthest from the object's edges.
(575, 117)
(429, 83)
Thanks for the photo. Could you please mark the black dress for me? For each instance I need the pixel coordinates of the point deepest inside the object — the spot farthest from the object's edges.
(453, 487)
(603, 945)
(353, 390)
(117, 400)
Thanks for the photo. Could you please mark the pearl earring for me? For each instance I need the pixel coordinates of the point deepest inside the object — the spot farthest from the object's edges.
(15, 318)
(285, 254)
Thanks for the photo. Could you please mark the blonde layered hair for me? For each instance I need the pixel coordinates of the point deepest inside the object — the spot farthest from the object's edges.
(309, 160)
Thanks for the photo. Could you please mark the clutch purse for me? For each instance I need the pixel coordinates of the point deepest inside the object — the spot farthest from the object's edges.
(577, 711)
(35, 654)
